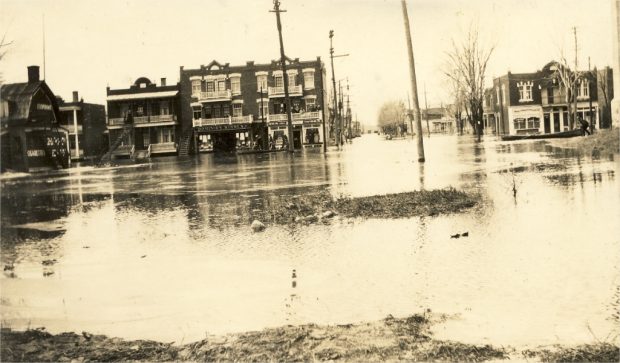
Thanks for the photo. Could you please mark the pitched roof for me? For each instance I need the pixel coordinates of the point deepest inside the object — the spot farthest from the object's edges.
(19, 95)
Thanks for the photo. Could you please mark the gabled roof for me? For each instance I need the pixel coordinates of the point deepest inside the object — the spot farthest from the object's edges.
(19, 96)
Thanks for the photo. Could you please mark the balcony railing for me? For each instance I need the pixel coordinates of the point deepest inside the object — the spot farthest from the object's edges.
(141, 120)
(279, 91)
(214, 95)
(223, 120)
(118, 121)
(297, 117)
(241, 119)
(164, 147)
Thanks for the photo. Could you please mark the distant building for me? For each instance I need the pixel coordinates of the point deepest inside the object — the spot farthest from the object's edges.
(230, 108)
(143, 119)
(86, 123)
(535, 103)
(32, 138)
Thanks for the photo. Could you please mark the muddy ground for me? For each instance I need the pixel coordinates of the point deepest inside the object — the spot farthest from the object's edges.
(391, 339)
(603, 144)
(319, 204)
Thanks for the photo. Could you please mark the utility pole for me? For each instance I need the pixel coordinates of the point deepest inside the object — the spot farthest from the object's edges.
(337, 119)
(575, 81)
(43, 30)
(410, 115)
(428, 129)
(414, 87)
(276, 9)
(349, 117)
(340, 111)
(262, 117)
(592, 117)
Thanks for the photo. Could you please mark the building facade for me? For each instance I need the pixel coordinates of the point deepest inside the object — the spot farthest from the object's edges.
(86, 123)
(32, 138)
(237, 108)
(143, 119)
(536, 103)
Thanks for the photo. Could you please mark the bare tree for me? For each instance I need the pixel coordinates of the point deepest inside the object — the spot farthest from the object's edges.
(3, 50)
(568, 81)
(457, 106)
(391, 115)
(603, 84)
(467, 65)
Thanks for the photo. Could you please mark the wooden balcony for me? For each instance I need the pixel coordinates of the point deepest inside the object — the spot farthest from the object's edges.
(145, 121)
(279, 91)
(214, 96)
(224, 121)
(297, 117)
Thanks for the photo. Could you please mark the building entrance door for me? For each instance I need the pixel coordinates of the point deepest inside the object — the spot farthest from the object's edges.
(297, 139)
(547, 123)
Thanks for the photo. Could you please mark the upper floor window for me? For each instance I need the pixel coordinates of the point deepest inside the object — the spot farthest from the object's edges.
(210, 86)
(221, 85)
(525, 91)
(140, 110)
(196, 86)
(291, 80)
(279, 81)
(310, 105)
(261, 81)
(309, 80)
(235, 85)
(504, 94)
(237, 109)
(583, 89)
(497, 99)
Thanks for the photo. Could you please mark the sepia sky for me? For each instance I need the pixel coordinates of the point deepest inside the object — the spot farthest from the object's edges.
(92, 44)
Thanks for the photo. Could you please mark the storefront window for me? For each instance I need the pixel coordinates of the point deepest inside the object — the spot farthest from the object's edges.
(312, 136)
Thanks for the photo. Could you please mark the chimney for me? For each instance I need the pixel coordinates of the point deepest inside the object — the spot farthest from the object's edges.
(163, 81)
(33, 74)
(75, 96)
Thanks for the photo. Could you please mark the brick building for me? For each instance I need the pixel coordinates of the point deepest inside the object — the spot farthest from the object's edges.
(230, 108)
(86, 123)
(32, 138)
(535, 103)
(143, 119)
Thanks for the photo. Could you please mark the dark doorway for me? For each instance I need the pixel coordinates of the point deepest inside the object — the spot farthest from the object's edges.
(297, 139)
(556, 122)
(547, 123)
(224, 142)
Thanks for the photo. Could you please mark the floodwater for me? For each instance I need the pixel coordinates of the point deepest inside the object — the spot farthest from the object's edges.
(163, 250)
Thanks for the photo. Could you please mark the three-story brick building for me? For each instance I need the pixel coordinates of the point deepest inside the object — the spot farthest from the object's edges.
(236, 108)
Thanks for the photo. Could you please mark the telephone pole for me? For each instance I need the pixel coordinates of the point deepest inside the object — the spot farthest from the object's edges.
(410, 115)
(414, 87)
(337, 118)
(592, 117)
(575, 81)
(289, 118)
(428, 129)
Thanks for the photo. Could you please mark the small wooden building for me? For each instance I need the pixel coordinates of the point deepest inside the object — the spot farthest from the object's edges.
(31, 138)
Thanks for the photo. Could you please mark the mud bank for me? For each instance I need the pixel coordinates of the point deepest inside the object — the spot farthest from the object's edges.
(320, 204)
(604, 143)
(391, 339)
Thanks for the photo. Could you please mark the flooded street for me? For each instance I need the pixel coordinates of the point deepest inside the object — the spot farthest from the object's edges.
(163, 250)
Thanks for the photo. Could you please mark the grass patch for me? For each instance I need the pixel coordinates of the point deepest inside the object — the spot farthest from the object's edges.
(600, 352)
(310, 206)
(391, 339)
(602, 144)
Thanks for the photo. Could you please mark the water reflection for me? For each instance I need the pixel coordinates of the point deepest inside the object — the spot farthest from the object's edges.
(164, 250)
